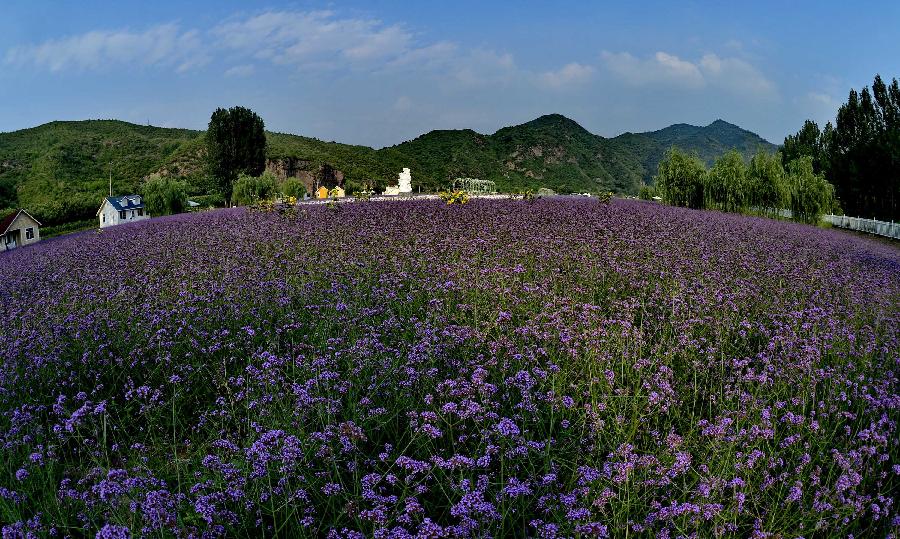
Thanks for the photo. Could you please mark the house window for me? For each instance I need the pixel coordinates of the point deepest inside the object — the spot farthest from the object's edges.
(102, 217)
(122, 214)
(140, 212)
(29, 233)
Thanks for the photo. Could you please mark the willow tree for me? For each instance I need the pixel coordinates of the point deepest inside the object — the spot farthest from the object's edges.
(726, 183)
(811, 194)
(679, 179)
(768, 190)
(165, 196)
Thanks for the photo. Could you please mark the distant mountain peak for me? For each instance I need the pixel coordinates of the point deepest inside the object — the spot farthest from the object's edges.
(553, 116)
(720, 123)
(551, 121)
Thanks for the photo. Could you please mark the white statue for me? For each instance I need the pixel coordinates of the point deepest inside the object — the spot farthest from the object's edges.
(404, 184)
(405, 181)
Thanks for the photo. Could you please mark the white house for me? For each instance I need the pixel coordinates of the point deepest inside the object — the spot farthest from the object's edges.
(119, 210)
(17, 229)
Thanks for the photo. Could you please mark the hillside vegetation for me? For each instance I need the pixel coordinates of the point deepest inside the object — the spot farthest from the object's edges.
(60, 170)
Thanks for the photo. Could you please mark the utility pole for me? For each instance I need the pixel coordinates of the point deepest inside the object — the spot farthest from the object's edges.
(109, 167)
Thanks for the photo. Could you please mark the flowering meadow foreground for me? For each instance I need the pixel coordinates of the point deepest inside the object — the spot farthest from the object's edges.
(503, 368)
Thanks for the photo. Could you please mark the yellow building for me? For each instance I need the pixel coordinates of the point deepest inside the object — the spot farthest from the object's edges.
(323, 192)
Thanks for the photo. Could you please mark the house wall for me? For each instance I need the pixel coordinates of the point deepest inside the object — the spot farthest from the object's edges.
(108, 216)
(112, 216)
(20, 224)
(132, 215)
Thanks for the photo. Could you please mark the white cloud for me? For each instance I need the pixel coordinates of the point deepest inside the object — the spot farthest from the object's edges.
(728, 73)
(478, 67)
(735, 74)
(434, 56)
(661, 68)
(734, 44)
(403, 104)
(162, 45)
(321, 40)
(568, 75)
(823, 100)
(303, 40)
(243, 70)
(818, 105)
(314, 39)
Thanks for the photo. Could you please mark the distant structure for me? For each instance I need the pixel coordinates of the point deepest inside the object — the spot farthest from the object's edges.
(118, 210)
(18, 229)
(474, 186)
(404, 184)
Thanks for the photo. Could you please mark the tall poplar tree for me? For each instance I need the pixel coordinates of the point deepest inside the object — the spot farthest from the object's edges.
(235, 144)
(860, 153)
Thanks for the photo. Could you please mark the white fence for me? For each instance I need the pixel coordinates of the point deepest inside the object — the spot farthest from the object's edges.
(872, 226)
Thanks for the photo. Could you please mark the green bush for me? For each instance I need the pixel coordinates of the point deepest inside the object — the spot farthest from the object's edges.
(67, 228)
(252, 189)
(215, 200)
(164, 195)
(71, 207)
(292, 187)
(646, 192)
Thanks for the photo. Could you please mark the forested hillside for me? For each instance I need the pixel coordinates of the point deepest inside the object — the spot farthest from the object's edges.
(60, 170)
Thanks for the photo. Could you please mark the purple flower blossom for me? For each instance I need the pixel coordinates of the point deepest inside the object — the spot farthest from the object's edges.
(558, 368)
(506, 427)
(111, 531)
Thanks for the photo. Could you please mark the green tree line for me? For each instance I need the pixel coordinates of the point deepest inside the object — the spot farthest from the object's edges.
(860, 153)
(762, 186)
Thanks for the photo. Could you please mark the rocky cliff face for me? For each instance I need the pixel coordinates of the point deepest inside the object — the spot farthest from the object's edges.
(312, 175)
(307, 172)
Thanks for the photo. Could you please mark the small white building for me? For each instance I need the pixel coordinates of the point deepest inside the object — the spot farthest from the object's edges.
(119, 210)
(18, 229)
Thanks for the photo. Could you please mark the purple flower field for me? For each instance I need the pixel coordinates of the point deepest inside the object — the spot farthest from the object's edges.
(556, 368)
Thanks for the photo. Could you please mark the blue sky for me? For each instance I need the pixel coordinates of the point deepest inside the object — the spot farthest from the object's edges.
(378, 72)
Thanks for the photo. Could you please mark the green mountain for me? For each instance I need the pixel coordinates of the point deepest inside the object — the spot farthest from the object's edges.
(551, 151)
(60, 170)
(708, 142)
(556, 152)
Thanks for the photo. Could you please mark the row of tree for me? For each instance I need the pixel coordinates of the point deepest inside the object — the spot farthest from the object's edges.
(860, 153)
(236, 159)
(763, 186)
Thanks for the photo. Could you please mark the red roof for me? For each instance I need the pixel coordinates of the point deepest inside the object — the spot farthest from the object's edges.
(4, 224)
